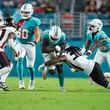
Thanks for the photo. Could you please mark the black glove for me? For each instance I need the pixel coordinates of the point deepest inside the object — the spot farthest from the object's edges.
(10, 21)
(35, 42)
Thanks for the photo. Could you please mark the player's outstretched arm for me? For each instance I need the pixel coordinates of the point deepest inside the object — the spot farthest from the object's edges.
(56, 60)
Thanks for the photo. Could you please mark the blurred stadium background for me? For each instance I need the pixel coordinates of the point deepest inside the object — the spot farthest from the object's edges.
(71, 15)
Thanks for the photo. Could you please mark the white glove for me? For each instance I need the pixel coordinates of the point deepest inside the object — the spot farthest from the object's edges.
(83, 50)
(88, 52)
(57, 50)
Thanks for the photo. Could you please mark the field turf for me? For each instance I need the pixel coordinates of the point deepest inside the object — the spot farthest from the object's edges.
(79, 95)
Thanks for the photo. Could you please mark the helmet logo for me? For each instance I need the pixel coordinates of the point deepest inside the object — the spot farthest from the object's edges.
(25, 6)
(55, 33)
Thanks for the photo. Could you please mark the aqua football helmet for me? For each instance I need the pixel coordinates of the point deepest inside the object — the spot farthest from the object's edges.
(26, 11)
(95, 25)
(55, 34)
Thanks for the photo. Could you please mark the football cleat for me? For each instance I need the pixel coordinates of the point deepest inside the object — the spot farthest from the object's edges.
(21, 84)
(62, 89)
(31, 85)
(4, 87)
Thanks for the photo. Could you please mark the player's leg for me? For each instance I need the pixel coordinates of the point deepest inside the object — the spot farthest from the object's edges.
(30, 58)
(107, 74)
(99, 58)
(98, 76)
(93, 69)
(20, 73)
(59, 68)
(6, 67)
(48, 69)
(19, 65)
(108, 58)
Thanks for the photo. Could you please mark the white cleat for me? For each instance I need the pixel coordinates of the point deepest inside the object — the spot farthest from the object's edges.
(31, 85)
(21, 84)
(62, 89)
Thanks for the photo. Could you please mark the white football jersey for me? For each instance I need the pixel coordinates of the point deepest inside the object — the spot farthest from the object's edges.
(4, 33)
(77, 60)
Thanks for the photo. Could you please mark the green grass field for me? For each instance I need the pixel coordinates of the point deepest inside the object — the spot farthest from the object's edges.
(79, 95)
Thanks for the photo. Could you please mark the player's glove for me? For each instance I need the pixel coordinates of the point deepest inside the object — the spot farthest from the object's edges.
(35, 42)
(83, 50)
(88, 52)
(57, 50)
(16, 54)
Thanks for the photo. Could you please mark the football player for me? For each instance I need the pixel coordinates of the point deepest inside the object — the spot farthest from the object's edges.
(53, 40)
(28, 36)
(97, 39)
(72, 55)
(7, 33)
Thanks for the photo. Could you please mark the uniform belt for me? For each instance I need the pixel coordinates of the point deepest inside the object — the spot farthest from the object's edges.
(31, 43)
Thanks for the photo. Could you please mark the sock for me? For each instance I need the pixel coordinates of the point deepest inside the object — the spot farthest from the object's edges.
(20, 68)
(32, 73)
(61, 79)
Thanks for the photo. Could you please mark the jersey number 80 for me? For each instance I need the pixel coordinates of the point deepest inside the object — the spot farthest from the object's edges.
(22, 33)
